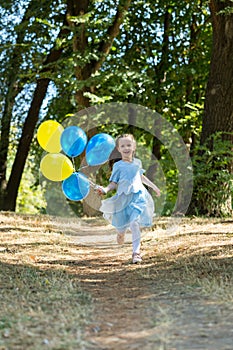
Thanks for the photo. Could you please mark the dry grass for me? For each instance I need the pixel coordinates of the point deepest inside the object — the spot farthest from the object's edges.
(60, 281)
(41, 306)
(193, 269)
(200, 255)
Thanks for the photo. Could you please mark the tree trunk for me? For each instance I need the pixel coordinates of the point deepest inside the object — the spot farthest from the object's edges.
(218, 111)
(12, 90)
(24, 146)
(10, 195)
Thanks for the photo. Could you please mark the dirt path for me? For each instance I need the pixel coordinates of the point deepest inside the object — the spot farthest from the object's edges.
(179, 298)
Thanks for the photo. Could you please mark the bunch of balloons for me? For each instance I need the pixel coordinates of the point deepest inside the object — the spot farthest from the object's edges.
(56, 166)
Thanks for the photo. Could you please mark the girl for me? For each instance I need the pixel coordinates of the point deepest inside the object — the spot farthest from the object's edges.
(132, 206)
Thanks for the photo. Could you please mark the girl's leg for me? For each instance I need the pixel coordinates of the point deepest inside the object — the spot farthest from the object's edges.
(121, 237)
(136, 236)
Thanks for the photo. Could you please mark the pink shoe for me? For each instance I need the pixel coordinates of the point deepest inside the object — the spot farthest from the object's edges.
(120, 238)
(137, 258)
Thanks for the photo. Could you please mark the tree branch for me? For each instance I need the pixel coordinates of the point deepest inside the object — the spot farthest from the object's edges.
(111, 34)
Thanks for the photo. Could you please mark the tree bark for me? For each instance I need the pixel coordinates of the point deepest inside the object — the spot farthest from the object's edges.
(218, 112)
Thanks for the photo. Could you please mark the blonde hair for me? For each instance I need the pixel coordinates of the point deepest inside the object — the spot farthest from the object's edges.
(115, 155)
(123, 136)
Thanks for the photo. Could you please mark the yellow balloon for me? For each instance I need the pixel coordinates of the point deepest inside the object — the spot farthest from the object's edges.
(56, 166)
(48, 136)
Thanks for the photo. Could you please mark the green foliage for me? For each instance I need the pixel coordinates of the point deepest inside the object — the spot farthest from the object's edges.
(30, 197)
(213, 179)
(56, 202)
(31, 194)
(171, 175)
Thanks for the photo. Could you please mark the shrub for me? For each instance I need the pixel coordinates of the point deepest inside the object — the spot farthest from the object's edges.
(213, 182)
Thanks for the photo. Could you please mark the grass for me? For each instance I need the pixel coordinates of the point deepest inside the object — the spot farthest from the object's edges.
(40, 307)
(193, 278)
(199, 261)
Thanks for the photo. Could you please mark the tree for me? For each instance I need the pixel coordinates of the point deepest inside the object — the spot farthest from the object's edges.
(11, 90)
(21, 68)
(218, 114)
(218, 119)
(77, 14)
(9, 194)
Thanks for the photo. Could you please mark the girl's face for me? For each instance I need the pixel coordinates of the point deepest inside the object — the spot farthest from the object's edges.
(126, 147)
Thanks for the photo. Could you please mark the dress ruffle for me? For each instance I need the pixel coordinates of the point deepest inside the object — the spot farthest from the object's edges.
(121, 209)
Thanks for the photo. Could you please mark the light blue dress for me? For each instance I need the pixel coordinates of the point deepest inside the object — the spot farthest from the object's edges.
(132, 201)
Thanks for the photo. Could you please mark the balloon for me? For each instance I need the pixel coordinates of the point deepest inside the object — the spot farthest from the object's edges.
(76, 187)
(99, 149)
(73, 141)
(48, 136)
(56, 166)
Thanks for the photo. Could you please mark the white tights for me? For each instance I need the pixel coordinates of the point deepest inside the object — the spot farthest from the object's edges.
(136, 236)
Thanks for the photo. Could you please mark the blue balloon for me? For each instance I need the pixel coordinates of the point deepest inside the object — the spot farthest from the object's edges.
(99, 149)
(73, 141)
(76, 187)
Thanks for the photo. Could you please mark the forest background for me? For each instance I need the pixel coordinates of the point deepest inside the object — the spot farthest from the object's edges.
(175, 58)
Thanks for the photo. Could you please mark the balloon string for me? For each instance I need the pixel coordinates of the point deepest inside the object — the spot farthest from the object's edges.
(92, 183)
(83, 167)
(73, 163)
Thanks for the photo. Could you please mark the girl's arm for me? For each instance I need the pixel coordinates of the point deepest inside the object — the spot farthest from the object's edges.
(149, 183)
(104, 190)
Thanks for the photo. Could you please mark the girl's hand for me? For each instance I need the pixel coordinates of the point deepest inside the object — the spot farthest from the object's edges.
(157, 191)
(149, 183)
(100, 190)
